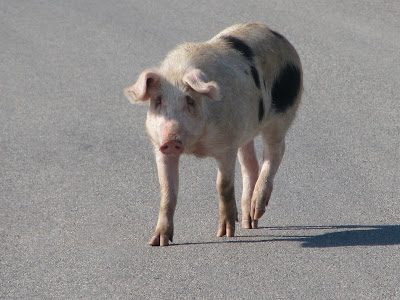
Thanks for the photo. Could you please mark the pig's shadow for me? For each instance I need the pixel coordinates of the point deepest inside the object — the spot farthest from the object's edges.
(354, 236)
(338, 236)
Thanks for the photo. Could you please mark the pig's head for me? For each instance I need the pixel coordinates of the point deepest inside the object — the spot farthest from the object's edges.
(177, 112)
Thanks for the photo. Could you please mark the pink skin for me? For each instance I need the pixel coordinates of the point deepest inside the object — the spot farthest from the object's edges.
(169, 120)
(225, 185)
(170, 135)
(172, 147)
(274, 149)
(249, 165)
(167, 159)
(168, 175)
(171, 116)
(204, 101)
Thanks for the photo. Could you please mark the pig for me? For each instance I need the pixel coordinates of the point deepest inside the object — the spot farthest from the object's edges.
(212, 99)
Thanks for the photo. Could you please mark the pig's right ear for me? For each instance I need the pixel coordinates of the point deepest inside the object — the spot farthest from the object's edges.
(140, 90)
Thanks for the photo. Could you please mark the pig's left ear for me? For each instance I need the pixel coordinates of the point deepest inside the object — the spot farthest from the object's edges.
(199, 82)
(140, 90)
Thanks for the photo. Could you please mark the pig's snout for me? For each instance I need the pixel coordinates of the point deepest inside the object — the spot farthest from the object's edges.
(172, 148)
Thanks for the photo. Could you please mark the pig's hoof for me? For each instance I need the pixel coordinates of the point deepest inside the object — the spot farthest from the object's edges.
(249, 224)
(246, 223)
(226, 229)
(160, 240)
(254, 224)
(257, 213)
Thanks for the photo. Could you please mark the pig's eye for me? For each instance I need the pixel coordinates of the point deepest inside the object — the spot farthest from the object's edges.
(158, 102)
(189, 101)
(190, 104)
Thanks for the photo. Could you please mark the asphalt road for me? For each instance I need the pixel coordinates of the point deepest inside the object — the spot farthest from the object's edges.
(79, 194)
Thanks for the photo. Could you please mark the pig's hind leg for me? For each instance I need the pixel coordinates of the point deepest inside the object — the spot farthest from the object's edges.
(273, 137)
(249, 166)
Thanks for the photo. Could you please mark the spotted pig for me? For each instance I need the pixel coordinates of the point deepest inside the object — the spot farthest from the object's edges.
(212, 99)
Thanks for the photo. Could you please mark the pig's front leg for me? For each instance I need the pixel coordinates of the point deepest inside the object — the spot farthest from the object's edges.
(168, 175)
(225, 186)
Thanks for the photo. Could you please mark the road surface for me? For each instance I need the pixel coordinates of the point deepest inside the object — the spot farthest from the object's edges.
(79, 194)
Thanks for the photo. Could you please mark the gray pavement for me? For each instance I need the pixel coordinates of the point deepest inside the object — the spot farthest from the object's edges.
(78, 188)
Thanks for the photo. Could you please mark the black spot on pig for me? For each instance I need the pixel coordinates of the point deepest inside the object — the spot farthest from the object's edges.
(247, 52)
(261, 109)
(240, 46)
(286, 88)
(278, 35)
(256, 78)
